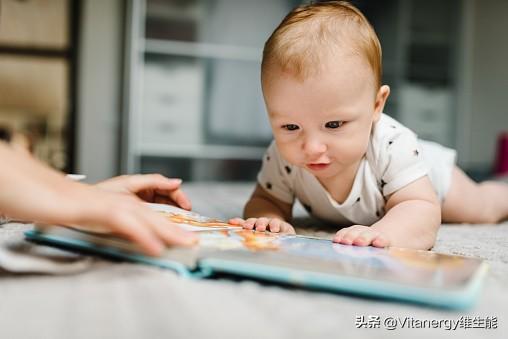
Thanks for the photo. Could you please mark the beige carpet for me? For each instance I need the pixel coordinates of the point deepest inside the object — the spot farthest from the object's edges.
(101, 299)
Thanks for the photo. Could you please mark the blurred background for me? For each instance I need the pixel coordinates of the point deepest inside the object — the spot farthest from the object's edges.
(172, 86)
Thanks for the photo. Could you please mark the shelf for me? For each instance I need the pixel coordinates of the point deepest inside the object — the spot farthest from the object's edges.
(202, 151)
(202, 50)
(167, 11)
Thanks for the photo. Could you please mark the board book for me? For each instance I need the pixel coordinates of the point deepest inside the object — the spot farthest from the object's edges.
(424, 277)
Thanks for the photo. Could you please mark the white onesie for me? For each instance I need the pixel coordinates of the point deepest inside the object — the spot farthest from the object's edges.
(395, 158)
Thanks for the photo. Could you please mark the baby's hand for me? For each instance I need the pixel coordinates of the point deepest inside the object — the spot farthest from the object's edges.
(361, 236)
(274, 225)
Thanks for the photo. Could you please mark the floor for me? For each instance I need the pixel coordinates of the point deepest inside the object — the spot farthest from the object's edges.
(82, 297)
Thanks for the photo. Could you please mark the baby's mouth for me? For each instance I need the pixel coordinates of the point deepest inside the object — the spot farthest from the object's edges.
(318, 166)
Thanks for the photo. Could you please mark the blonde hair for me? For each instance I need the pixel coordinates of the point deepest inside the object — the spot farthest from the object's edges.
(297, 44)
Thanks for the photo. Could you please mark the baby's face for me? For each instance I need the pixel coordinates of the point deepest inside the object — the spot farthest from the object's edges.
(323, 123)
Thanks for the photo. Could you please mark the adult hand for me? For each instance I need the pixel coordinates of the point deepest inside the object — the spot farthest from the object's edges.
(32, 191)
(150, 188)
(125, 215)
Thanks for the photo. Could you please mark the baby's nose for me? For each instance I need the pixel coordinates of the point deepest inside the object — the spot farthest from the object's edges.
(313, 146)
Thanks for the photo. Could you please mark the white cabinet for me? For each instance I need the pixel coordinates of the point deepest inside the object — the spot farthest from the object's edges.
(428, 111)
(172, 104)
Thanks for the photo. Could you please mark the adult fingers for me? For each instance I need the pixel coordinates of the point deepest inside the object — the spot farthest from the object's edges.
(131, 227)
(178, 196)
(170, 233)
(141, 182)
(165, 187)
(146, 226)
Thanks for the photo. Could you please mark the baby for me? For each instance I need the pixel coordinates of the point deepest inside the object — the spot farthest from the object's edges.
(339, 155)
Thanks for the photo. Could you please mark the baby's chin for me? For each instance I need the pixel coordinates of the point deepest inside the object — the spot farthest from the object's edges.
(323, 172)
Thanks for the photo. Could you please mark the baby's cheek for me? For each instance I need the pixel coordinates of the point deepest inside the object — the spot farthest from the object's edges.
(290, 152)
(350, 151)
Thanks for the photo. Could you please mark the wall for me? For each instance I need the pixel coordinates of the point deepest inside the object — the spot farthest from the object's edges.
(483, 82)
(99, 80)
(489, 81)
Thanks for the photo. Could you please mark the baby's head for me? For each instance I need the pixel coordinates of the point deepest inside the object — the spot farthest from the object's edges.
(321, 79)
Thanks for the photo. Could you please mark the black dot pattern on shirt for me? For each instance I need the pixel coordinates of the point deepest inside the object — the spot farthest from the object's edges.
(416, 153)
(269, 185)
(288, 169)
(390, 142)
(307, 207)
(267, 158)
(358, 199)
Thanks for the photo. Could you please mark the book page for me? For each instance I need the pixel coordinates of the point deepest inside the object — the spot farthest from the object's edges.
(191, 221)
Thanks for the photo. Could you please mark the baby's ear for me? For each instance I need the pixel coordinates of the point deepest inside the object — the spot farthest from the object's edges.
(379, 104)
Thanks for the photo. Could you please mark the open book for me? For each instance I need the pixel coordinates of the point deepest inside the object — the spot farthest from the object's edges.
(394, 273)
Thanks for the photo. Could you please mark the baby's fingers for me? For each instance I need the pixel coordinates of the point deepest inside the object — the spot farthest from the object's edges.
(287, 228)
(250, 223)
(339, 235)
(261, 224)
(348, 235)
(236, 221)
(275, 225)
(381, 241)
(365, 238)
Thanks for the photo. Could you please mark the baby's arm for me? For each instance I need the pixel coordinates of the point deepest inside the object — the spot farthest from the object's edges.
(412, 219)
(264, 212)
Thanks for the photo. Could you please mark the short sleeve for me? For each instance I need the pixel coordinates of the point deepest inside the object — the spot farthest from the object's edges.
(275, 176)
(398, 157)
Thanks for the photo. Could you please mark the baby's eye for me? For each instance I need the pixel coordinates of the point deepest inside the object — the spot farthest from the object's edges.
(334, 124)
(290, 127)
